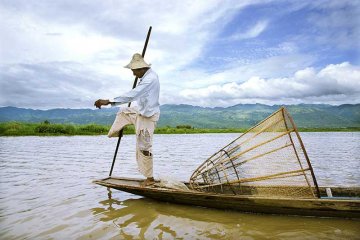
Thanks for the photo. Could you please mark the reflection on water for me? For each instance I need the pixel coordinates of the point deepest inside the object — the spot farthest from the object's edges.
(46, 191)
(148, 219)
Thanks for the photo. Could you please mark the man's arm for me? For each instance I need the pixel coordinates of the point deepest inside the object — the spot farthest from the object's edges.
(130, 96)
(135, 93)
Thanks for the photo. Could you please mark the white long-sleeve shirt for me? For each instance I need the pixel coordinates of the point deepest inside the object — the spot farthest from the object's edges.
(146, 94)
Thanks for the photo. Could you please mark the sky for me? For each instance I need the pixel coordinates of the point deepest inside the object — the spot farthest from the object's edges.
(213, 53)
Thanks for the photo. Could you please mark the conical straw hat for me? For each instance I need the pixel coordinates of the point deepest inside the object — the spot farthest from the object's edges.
(137, 62)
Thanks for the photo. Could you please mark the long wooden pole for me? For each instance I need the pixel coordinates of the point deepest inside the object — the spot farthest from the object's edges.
(296, 153)
(305, 154)
(129, 104)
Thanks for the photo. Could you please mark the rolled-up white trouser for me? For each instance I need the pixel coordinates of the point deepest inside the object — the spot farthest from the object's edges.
(144, 127)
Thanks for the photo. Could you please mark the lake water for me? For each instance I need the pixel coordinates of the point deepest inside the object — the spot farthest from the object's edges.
(46, 190)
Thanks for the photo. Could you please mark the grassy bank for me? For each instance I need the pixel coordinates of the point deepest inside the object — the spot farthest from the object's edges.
(47, 129)
(50, 129)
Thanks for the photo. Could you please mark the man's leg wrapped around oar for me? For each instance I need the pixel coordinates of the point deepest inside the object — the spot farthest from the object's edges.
(144, 127)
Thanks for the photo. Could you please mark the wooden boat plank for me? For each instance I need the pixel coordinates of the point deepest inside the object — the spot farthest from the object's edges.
(327, 207)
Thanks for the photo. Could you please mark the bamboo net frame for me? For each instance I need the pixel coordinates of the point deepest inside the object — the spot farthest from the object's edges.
(269, 159)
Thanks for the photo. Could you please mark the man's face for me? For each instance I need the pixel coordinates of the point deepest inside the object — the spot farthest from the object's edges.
(139, 72)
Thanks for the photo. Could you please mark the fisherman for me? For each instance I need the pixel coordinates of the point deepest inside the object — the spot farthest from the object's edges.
(144, 116)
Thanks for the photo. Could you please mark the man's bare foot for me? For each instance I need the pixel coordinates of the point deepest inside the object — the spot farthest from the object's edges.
(148, 182)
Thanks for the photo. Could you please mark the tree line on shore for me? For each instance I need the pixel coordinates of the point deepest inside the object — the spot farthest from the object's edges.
(54, 129)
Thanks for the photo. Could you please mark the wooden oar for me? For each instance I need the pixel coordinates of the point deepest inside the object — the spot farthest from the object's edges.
(134, 85)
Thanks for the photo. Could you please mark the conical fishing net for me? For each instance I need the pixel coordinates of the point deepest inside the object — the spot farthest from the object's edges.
(267, 160)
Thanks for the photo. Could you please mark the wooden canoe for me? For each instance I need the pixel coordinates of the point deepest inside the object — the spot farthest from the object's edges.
(344, 203)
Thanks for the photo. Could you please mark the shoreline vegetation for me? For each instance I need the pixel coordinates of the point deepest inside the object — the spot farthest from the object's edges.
(54, 129)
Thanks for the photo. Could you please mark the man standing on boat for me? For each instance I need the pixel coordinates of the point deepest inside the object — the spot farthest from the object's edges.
(144, 116)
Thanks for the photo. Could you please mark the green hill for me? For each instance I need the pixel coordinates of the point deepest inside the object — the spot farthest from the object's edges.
(238, 116)
(246, 115)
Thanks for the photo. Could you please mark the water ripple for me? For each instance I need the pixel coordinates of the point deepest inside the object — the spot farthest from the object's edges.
(46, 190)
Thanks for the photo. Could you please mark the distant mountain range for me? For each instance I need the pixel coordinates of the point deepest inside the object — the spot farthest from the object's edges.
(238, 116)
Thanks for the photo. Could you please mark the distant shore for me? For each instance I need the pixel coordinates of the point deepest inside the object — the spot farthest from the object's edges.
(53, 129)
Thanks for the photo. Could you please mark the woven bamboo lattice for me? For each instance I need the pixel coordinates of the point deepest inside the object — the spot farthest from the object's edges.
(267, 160)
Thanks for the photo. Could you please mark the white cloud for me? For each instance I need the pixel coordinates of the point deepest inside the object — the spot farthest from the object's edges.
(51, 85)
(335, 81)
(97, 38)
(339, 27)
(252, 32)
(80, 30)
(72, 52)
(271, 67)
